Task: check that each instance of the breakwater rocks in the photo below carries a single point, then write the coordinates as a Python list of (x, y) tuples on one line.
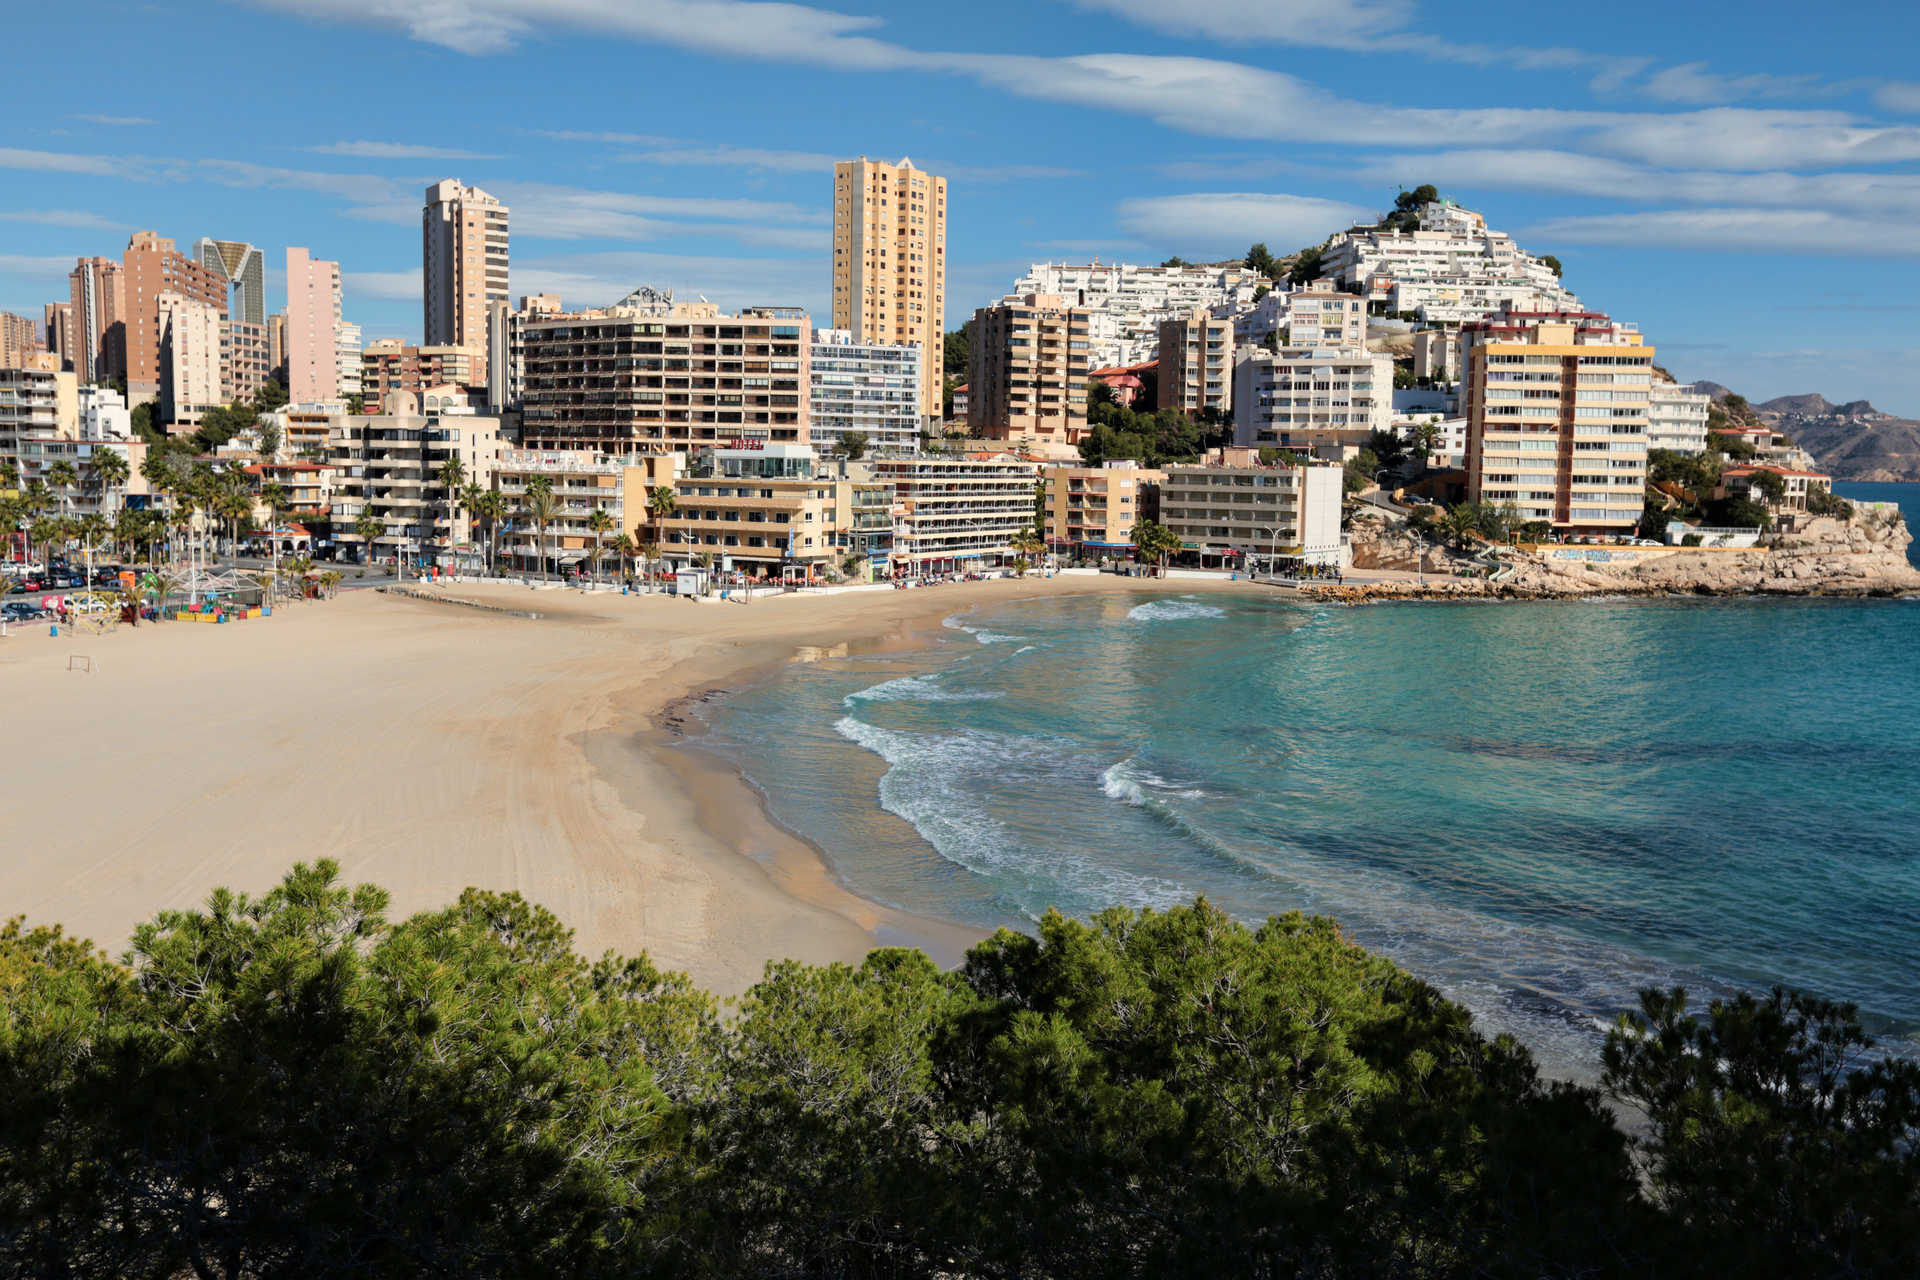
[(1864, 556), (437, 598)]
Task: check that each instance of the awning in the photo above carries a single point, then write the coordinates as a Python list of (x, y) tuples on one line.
[(1110, 546)]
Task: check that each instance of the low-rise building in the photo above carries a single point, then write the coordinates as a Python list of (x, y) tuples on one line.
[(952, 514), (1246, 515), (762, 511), (390, 464), (103, 414), (1795, 486), (581, 484), (962, 397), (864, 387), (35, 455), (309, 488), (1676, 417), (37, 398), (1434, 352), (1196, 363), (388, 365), (1311, 398), (1128, 382), (1091, 511)]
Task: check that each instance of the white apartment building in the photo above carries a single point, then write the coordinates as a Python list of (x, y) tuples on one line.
[(1449, 270), (103, 414), (1128, 302), (1677, 417), (191, 334), (956, 513), (1318, 315), (389, 463), (506, 347), (34, 455), (347, 347), (1245, 514), (1556, 406), (867, 387), (37, 399), (1311, 398), (1449, 449)]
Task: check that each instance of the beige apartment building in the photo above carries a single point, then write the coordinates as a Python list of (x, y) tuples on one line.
[(389, 463), (1557, 414), (1248, 515), (1196, 362), (507, 348), (762, 511), (246, 363), (388, 365), (313, 321), (890, 261), (954, 514), (463, 247), (20, 336), (1091, 511), (1027, 373), (582, 484), (37, 398), (190, 349), (651, 375), (309, 487), (59, 324), (99, 320), (1324, 399), (150, 269), (1320, 315), (1433, 354)]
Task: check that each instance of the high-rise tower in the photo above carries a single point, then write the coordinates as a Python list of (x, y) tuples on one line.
[(244, 268), (890, 261), (463, 245)]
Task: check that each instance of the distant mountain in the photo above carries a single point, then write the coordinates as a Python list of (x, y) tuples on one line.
[(1852, 441), (1713, 389)]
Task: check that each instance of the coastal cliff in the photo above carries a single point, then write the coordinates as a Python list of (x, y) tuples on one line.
[(1862, 556)]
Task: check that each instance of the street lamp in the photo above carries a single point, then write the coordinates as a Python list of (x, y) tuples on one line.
[(1273, 548)]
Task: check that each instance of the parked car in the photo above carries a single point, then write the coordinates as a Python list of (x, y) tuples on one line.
[(19, 611), (30, 583)]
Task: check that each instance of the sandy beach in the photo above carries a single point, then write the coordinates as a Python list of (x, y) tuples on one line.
[(427, 747)]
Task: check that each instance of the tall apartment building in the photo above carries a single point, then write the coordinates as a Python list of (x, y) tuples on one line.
[(890, 261), (1311, 398), (388, 365), (1128, 301), (463, 248), (1091, 511), (1247, 514), (871, 388), (651, 375), (506, 347), (389, 463), (245, 362), (19, 337), (190, 350), (1556, 406), (1676, 417), (313, 319), (952, 514), (1196, 362), (277, 345), (98, 320), (244, 269), (1027, 372), (150, 269), (1450, 269), (346, 354), (59, 331)]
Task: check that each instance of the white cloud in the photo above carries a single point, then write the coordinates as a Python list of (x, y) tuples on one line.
[(599, 135), (397, 151), (1223, 225), (1691, 82), (1902, 97), (20, 264), (64, 162), (79, 218), (1799, 231), (1601, 177), (729, 157), (551, 211), (388, 286), (116, 121)]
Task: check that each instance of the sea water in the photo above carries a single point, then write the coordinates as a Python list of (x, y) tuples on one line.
[(1540, 807)]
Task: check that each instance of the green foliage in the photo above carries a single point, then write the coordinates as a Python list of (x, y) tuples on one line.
[(1176, 262), (1770, 483), (1654, 519), (1554, 263), (1737, 512), (1260, 261), (140, 418), (956, 348), (1152, 439), (1822, 502), (1778, 1143), (1306, 265), (1154, 541), (1403, 379), (1360, 470), (271, 395), (1272, 457), (1691, 539), (853, 444)]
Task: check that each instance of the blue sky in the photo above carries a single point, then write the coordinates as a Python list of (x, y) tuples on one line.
[(1742, 180)]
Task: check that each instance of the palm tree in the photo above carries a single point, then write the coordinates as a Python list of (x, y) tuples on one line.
[(157, 585), (648, 550), (110, 471), (44, 530), (540, 506), (330, 582), (1461, 521), (661, 503), (370, 526), (273, 496), (491, 506), (624, 549), (1426, 439), (472, 497), (1029, 545), (1155, 541), (92, 529), (598, 522), (233, 502), (63, 477), (453, 475)]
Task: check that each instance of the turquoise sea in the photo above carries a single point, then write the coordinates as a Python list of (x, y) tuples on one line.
[(1538, 807)]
